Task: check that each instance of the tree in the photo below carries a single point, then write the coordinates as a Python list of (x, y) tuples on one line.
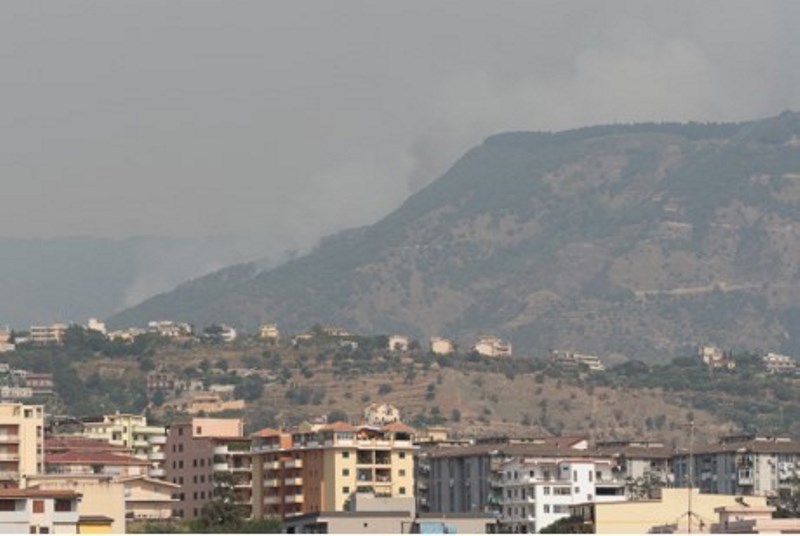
[(788, 500), (222, 513), (567, 525)]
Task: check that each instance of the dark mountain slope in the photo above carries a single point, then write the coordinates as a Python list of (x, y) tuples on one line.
[(622, 240)]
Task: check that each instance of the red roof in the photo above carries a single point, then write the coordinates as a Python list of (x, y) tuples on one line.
[(338, 426), (399, 427), (105, 458), (17, 493)]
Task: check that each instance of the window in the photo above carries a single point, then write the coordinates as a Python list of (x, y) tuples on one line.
[(63, 505), (7, 506), (577, 489), (38, 507), (546, 508), (180, 464), (32, 529), (44, 530), (346, 490), (345, 472), (591, 475), (402, 491), (194, 479), (575, 476), (531, 474), (547, 490), (194, 462), (401, 472), (402, 455), (198, 430), (202, 462), (180, 432), (202, 495), (180, 447), (345, 454)]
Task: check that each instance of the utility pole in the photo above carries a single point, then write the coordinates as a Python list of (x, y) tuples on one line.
[(691, 472)]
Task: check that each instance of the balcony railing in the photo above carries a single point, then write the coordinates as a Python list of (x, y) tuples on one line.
[(293, 464), (157, 473), (9, 438), (293, 481), (158, 440), (220, 450)]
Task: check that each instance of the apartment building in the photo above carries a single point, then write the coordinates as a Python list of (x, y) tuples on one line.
[(33, 511), (101, 495), (44, 335), (145, 441), (472, 478), (21, 441), (190, 452), (534, 492), (778, 363), (565, 358), (741, 465), (324, 468)]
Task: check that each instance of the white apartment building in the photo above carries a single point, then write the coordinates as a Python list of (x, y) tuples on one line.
[(535, 492), (778, 363), (132, 431), (96, 325), (270, 332)]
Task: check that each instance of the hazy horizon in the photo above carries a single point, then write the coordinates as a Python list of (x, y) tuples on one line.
[(295, 120)]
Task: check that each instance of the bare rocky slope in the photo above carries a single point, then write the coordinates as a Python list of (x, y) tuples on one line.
[(629, 241)]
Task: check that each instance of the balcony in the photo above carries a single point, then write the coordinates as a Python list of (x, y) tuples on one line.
[(8, 475), (298, 498), (158, 440), (157, 456), (293, 481), (272, 499), (141, 444), (157, 473), (244, 484), (221, 450), (241, 468), (9, 438), (272, 465), (293, 464), (272, 483), (221, 467), (9, 456), (64, 517), (16, 517)]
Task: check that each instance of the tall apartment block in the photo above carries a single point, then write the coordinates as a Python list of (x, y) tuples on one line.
[(324, 469), (195, 451), (21, 441), (145, 441), (741, 465)]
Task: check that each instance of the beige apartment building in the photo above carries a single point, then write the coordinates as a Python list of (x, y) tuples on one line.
[(198, 448), (145, 441), (44, 335), (323, 468), (21, 441)]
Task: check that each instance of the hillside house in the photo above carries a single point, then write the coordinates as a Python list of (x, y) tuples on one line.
[(715, 358), (778, 363), (491, 346), (170, 329), (398, 343), (380, 414), (45, 335), (574, 359), (96, 325), (442, 346), (269, 332)]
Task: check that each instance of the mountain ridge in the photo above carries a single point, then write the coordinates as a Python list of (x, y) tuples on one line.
[(557, 240)]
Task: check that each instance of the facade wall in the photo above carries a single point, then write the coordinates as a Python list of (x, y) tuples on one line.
[(459, 484), (100, 496), (189, 463), (640, 516), (21, 440)]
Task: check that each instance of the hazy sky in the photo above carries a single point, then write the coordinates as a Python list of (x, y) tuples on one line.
[(295, 119)]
